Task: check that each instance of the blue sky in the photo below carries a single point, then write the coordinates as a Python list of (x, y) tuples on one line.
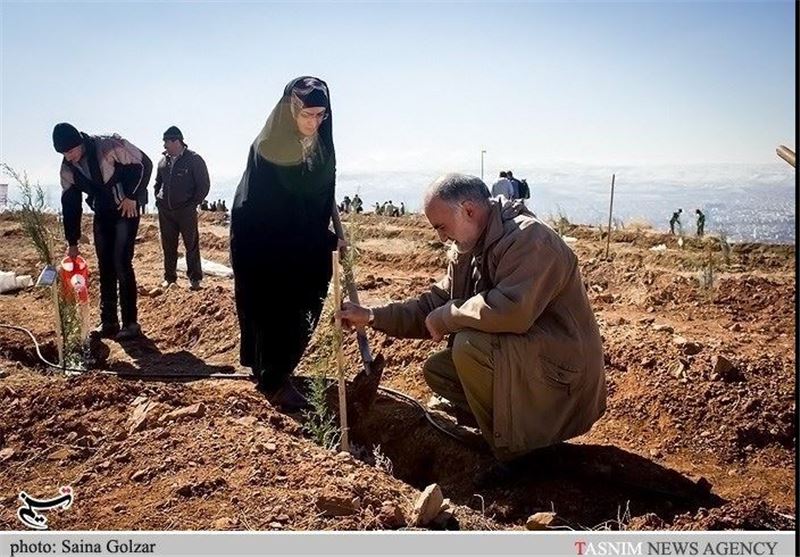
[(415, 86)]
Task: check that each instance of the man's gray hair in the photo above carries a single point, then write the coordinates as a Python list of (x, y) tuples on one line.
[(455, 188)]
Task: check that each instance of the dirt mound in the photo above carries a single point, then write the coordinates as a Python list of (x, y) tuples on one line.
[(700, 430)]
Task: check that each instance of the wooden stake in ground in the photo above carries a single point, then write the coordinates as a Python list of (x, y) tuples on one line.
[(337, 303), (59, 335), (610, 211)]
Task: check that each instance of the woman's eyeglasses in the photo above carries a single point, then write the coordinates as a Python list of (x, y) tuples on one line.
[(312, 116)]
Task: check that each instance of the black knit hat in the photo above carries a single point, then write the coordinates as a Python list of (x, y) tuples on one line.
[(66, 137), (173, 133)]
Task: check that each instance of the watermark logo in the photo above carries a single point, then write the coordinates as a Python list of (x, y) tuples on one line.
[(608, 548), (29, 513)]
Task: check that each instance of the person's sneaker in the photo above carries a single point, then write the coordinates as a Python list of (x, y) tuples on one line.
[(132, 330), (167, 284), (104, 330), (195, 285), (287, 398)]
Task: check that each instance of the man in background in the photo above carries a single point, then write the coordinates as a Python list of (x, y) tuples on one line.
[(503, 187), (182, 184), (676, 219)]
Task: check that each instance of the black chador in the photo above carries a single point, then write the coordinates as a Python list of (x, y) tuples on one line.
[(281, 243)]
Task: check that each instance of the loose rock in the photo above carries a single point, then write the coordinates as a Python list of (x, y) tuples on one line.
[(540, 521), (428, 505)]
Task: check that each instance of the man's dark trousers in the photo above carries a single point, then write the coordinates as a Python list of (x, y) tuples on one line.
[(114, 237), (184, 222)]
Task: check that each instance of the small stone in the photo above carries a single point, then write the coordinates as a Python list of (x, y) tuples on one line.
[(428, 505), (646, 320), (3, 373), (724, 369), (194, 411), (688, 347), (224, 523), (607, 298), (540, 521), (391, 516), (142, 415), (270, 447), (6, 454), (83, 478), (732, 472), (157, 291), (662, 327), (655, 453), (119, 508), (736, 327), (247, 421), (60, 454), (648, 362), (276, 525), (332, 504), (678, 368), (139, 475), (105, 465)]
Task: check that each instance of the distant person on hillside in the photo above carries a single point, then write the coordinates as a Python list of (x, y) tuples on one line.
[(204, 205), (281, 244), (524, 189), (402, 208), (701, 223), (515, 183), (378, 208), (676, 219), (503, 187), (222, 206), (358, 205), (182, 184), (346, 204), (524, 355), (113, 173)]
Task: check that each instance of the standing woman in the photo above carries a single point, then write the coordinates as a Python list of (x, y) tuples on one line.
[(280, 241)]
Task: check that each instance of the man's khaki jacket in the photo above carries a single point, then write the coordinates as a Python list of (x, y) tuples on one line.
[(522, 283)]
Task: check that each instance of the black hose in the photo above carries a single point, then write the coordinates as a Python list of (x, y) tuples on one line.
[(160, 374)]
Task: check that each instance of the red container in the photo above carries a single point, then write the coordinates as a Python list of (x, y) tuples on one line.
[(74, 274)]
